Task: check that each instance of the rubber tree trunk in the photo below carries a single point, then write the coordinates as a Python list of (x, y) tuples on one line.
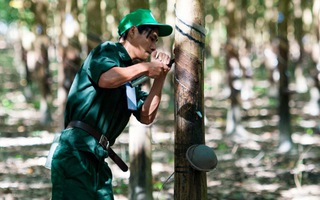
[(189, 108), (300, 79), (41, 45), (315, 71), (284, 94), (140, 187), (94, 26), (140, 182), (69, 49), (233, 67)]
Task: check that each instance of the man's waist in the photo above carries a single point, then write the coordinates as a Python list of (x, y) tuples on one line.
[(101, 139)]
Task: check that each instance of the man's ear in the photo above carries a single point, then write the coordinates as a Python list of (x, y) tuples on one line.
[(132, 31)]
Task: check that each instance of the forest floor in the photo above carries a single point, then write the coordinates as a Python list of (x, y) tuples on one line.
[(249, 168)]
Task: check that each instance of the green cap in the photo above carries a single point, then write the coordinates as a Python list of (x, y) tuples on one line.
[(142, 17)]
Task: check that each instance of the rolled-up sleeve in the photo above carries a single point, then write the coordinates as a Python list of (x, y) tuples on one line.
[(103, 58)]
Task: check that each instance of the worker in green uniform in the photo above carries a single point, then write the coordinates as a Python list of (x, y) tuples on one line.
[(100, 103)]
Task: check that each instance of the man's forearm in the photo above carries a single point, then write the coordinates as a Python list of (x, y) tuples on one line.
[(117, 76), (151, 104)]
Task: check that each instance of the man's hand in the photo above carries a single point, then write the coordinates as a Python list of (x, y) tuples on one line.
[(158, 65), (161, 57)]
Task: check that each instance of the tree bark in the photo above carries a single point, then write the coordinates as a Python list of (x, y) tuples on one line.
[(234, 71), (284, 94), (140, 182), (42, 70), (69, 47), (189, 107), (94, 23)]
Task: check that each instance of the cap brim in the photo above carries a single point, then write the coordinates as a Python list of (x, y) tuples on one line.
[(163, 29)]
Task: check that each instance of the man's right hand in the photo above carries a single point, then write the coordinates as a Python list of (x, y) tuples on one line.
[(158, 65)]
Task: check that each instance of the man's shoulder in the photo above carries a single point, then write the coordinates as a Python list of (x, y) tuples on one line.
[(103, 48), (109, 44)]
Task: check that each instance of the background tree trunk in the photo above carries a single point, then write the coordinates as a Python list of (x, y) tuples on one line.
[(42, 70), (69, 50), (301, 81), (140, 183), (94, 24), (284, 93), (189, 108), (234, 70)]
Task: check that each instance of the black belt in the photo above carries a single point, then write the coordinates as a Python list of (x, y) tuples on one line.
[(103, 141)]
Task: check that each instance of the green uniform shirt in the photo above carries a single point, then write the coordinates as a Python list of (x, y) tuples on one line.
[(105, 110)]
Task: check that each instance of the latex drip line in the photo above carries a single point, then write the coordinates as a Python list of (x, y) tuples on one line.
[(198, 28), (185, 87), (190, 37)]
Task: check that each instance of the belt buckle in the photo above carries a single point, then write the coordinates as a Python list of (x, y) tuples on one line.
[(104, 142)]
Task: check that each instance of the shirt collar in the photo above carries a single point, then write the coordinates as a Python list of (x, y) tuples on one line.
[(123, 54)]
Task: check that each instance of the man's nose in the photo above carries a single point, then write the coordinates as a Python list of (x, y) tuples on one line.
[(153, 46)]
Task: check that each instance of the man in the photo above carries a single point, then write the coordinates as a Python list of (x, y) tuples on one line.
[(101, 101)]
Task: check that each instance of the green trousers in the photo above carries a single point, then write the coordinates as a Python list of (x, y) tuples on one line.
[(79, 175)]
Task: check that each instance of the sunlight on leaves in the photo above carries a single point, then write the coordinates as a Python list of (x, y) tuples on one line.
[(7, 103), (309, 131)]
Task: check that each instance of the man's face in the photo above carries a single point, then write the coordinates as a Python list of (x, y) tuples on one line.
[(145, 43)]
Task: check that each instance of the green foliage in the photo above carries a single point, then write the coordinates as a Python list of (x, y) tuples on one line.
[(121, 187), (273, 102), (157, 186), (10, 14), (207, 87), (309, 131), (260, 72), (36, 133), (6, 57), (259, 89), (19, 156), (36, 104), (222, 146), (6, 103)]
